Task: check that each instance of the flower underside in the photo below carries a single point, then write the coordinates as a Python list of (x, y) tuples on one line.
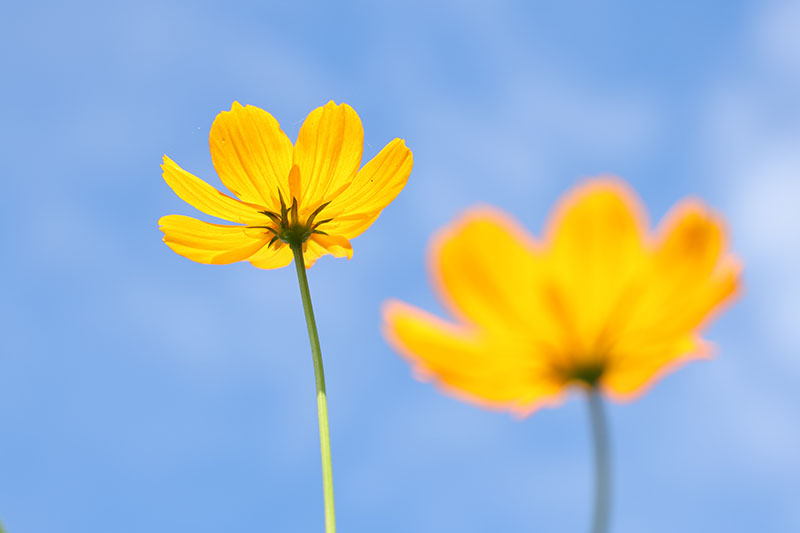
[(325, 197), (288, 227), (588, 374), (598, 301)]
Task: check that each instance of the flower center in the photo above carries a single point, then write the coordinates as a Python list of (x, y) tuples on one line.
[(288, 226), (587, 373)]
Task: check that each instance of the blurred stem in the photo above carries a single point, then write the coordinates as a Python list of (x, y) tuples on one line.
[(602, 475), (322, 401)]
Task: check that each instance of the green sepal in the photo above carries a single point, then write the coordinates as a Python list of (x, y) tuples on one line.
[(316, 212)]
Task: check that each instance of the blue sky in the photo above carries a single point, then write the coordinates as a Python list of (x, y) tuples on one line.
[(143, 391)]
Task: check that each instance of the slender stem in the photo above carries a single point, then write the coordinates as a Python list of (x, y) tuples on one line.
[(602, 477), (322, 402)]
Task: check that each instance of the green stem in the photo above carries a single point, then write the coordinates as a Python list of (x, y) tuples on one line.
[(322, 402), (602, 477)]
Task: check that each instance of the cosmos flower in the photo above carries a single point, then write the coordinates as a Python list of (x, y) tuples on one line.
[(311, 192), (598, 302)]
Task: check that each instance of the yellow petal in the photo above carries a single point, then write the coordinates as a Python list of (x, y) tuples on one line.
[(688, 278), (206, 198), (478, 369), (693, 273), (251, 154), (631, 374), (210, 243), (374, 187), (484, 266), (598, 300), (335, 245), (328, 151), (318, 245), (597, 247), (276, 256), (691, 242), (492, 274), (349, 226), (311, 252)]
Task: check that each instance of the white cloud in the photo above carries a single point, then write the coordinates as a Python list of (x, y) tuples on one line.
[(753, 143), (777, 38)]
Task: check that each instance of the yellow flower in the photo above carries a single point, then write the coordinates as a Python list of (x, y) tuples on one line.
[(598, 303), (311, 192)]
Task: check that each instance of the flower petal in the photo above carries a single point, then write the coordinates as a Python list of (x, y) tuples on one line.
[(335, 245), (374, 187), (630, 375), (295, 184), (204, 197), (597, 247), (483, 266), (349, 226), (688, 278), (209, 243), (490, 273), (691, 243), (251, 154), (694, 274), (270, 257), (318, 245), (312, 252), (328, 151), (478, 369)]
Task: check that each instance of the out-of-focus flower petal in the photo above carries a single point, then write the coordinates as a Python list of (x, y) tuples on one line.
[(598, 303), (479, 368), (595, 244)]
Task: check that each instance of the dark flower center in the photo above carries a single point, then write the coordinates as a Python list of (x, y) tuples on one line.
[(586, 373), (288, 226)]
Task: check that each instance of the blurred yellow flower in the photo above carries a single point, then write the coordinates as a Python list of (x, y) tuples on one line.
[(598, 302), (311, 192)]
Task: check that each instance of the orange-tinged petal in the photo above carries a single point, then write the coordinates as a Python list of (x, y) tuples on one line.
[(206, 198), (328, 151), (688, 276), (691, 244), (374, 187), (596, 240), (215, 244), (295, 184), (479, 369), (251, 154)]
